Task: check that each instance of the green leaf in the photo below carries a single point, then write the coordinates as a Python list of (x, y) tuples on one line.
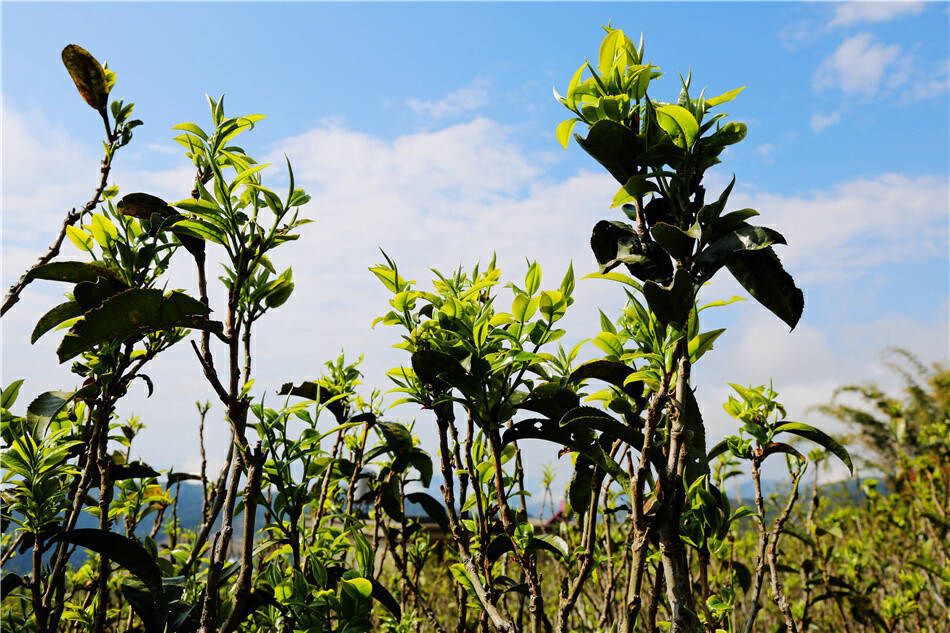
[(358, 587), (54, 317), (729, 134), (671, 304), (47, 406), (717, 450), (133, 313), (697, 462), (674, 240), (461, 577), (616, 243), (743, 239), (703, 343), (818, 437), (103, 231), (532, 280), (550, 542), (679, 123), (609, 343), (88, 75), (563, 131), (719, 304), (635, 188), (573, 86), (614, 146), (724, 97), (202, 229), (124, 551), (279, 293), (73, 272), (761, 273), (624, 279), (9, 395), (200, 207), (522, 308), (191, 127), (612, 372), (80, 238), (433, 508), (392, 280)]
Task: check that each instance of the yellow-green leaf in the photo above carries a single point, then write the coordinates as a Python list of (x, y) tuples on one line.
[(724, 97), (80, 238), (678, 121), (563, 131)]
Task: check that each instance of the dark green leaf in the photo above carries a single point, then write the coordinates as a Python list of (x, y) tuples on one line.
[(551, 400), (773, 448), (124, 551), (143, 206), (91, 294), (711, 212), (745, 238), (671, 304), (674, 240), (499, 546), (616, 243), (576, 437), (433, 508), (47, 406), (73, 272), (54, 317), (145, 603), (612, 372), (550, 542), (761, 273), (133, 470), (818, 437), (614, 146), (131, 314), (10, 582), (88, 75), (697, 462), (383, 597)]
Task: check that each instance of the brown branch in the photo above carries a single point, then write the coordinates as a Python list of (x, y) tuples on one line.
[(445, 420), (421, 600), (13, 294), (242, 593)]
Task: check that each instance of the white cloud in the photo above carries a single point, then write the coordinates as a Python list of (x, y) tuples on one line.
[(46, 172), (929, 85), (849, 13), (859, 66), (765, 151), (807, 365), (856, 226), (820, 120), (465, 99), (453, 196)]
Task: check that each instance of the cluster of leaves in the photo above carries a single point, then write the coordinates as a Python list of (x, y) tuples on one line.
[(321, 517)]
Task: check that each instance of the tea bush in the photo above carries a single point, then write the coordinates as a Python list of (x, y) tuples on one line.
[(324, 516)]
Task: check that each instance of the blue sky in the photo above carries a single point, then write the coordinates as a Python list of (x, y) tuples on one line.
[(407, 120)]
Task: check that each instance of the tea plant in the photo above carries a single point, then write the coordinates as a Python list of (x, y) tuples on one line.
[(322, 516)]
